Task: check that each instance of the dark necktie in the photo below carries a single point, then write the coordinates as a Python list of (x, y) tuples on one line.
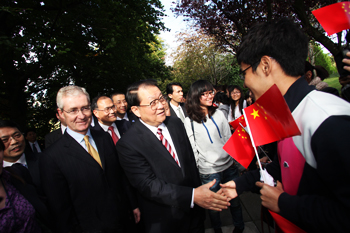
[(34, 148), (114, 135), (167, 145)]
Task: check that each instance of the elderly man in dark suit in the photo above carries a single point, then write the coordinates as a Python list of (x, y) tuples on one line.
[(80, 172), (166, 178)]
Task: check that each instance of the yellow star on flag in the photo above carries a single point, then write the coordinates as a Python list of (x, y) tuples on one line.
[(255, 113)]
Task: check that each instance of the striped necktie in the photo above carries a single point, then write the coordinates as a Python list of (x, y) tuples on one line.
[(167, 145)]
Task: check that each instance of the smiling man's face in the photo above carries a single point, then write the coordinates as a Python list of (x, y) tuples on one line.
[(14, 143)]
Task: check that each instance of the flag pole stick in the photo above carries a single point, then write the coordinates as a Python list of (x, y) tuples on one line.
[(253, 144)]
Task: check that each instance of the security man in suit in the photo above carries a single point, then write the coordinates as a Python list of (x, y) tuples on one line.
[(175, 94), (158, 160), (80, 172)]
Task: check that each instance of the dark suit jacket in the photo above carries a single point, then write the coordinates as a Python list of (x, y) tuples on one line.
[(172, 112), (81, 195), (52, 137), (29, 148), (164, 189), (28, 190), (132, 117)]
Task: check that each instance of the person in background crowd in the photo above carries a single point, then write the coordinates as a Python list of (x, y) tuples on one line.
[(121, 105), (175, 94), (208, 131), (32, 143), (21, 210), (237, 102), (316, 80), (223, 103), (15, 151), (249, 98)]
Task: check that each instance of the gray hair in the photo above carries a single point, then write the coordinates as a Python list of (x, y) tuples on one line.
[(70, 91)]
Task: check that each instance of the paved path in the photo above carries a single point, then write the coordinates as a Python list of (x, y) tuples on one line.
[(251, 206)]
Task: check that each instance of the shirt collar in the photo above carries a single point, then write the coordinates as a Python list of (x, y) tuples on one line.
[(174, 107), (296, 92), (21, 160), (105, 127), (153, 128), (77, 136)]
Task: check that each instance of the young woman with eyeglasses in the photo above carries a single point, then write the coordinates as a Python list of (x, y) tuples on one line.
[(237, 102), (208, 131)]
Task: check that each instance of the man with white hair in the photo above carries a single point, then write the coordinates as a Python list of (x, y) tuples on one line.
[(80, 171)]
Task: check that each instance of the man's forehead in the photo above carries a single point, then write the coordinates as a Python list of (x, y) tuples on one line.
[(7, 131), (75, 101), (104, 102), (149, 93), (119, 97)]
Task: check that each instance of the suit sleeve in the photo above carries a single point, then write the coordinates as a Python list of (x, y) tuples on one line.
[(142, 177), (56, 190)]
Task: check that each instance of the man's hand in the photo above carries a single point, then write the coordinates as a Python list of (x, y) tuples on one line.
[(208, 199), (137, 215), (229, 190), (270, 195)]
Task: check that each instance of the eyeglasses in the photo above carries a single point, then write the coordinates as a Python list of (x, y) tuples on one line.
[(206, 94), (242, 73), (108, 109), (15, 136), (236, 93), (75, 111), (154, 103)]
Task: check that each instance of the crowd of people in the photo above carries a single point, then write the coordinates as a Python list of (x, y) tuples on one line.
[(142, 161)]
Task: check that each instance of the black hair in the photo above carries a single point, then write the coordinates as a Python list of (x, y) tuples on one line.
[(116, 93), (193, 108), (240, 101), (132, 96), (221, 97), (321, 72), (29, 130), (10, 124), (282, 40), (169, 87), (309, 67), (94, 101)]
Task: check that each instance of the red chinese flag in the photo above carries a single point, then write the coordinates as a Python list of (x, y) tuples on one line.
[(236, 122), (239, 146), (334, 18), (284, 225), (270, 119)]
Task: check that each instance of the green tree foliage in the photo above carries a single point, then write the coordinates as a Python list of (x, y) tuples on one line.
[(230, 20), (323, 59), (102, 45), (198, 57)]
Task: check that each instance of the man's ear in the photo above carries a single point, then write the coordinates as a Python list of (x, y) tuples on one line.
[(136, 111), (95, 112), (60, 113), (308, 76), (266, 65), (170, 96)]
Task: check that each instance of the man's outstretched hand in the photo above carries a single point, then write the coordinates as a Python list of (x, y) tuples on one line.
[(269, 195), (229, 190), (207, 199)]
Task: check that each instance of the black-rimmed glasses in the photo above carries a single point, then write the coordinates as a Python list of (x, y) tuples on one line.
[(154, 103)]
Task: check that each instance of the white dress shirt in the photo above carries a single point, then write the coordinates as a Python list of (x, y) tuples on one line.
[(105, 128), (36, 145), (21, 160), (178, 110)]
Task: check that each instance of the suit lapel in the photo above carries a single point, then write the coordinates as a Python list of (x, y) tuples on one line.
[(76, 150), (153, 143)]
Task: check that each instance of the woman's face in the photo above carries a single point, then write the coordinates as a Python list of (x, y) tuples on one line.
[(206, 99), (236, 94)]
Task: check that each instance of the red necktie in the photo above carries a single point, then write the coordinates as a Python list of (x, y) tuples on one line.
[(167, 145), (114, 135)]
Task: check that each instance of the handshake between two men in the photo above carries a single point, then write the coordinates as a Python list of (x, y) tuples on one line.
[(220, 200)]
